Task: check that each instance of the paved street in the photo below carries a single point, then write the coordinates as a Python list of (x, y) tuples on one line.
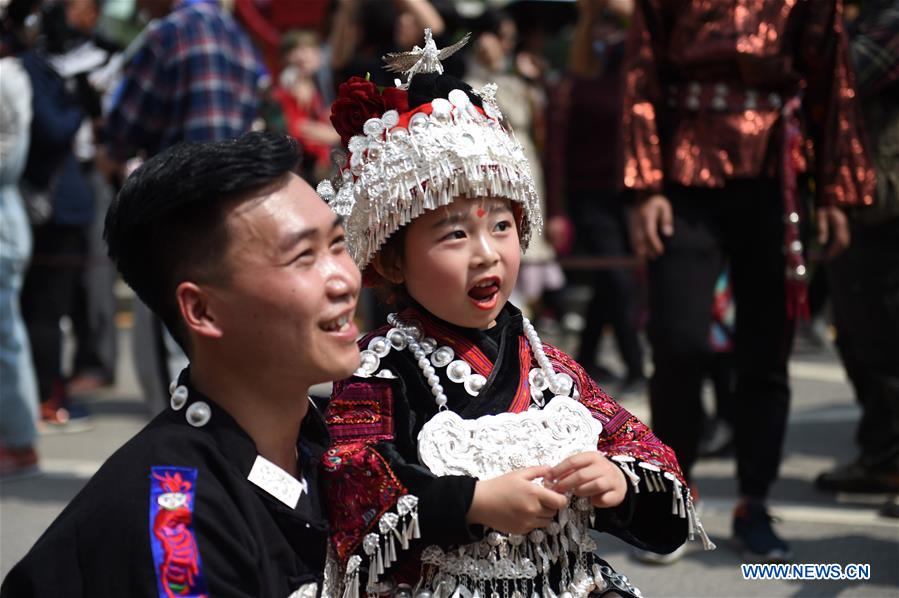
[(823, 529)]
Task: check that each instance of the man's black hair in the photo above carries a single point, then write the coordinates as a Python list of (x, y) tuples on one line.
[(167, 223)]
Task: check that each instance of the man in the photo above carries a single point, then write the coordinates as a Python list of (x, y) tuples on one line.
[(865, 279), (219, 494), (712, 146), (195, 78)]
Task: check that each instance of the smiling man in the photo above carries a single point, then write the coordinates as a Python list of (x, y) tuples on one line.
[(218, 495)]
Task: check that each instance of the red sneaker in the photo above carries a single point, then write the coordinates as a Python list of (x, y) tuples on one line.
[(19, 463), (59, 416)]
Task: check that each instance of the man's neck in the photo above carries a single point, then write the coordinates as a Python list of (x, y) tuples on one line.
[(269, 412)]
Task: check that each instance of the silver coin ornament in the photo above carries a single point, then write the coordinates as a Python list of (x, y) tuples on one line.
[(179, 397), (198, 414), (537, 379), (458, 370), (428, 345), (380, 346), (563, 384), (397, 338), (474, 383), (368, 362), (442, 357)]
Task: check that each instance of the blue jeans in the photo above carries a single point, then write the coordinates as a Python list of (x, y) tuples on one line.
[(18, 385)]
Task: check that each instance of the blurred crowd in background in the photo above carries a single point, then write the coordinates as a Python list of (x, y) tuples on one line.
[(88, 93)]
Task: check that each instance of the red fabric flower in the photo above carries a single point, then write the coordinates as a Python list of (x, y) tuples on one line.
[(357, 101), (395, 99)]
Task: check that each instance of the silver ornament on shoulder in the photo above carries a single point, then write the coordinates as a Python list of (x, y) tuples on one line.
[(198, 414), (179, 397)]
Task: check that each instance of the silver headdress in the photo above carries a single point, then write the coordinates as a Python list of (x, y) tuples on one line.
[(404, 165)]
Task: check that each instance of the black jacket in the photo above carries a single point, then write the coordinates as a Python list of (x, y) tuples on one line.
[(250, 543)]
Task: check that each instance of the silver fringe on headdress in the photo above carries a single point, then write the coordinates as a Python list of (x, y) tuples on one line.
[(396, 173)]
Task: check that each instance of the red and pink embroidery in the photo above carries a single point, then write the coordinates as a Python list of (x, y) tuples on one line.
[(175, 553)]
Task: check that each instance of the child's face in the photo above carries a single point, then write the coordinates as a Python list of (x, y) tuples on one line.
[(460, 262), (306, 58)]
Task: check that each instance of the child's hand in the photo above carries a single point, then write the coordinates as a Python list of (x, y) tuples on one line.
[(591, 474), (513, 503)]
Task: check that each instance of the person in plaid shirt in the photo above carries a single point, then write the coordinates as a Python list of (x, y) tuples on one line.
[(196, 77)]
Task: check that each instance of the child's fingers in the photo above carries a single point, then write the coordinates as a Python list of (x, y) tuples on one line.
[(578, 477), (537, 471), (552, 500), (574, 462)]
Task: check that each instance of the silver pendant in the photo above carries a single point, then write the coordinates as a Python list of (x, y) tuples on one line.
[(198, 414)]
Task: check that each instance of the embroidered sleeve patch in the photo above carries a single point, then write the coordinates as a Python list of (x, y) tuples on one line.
[(361, 411), (176, 556)]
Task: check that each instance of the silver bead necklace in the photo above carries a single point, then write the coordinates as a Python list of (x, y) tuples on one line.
[(558, 384)]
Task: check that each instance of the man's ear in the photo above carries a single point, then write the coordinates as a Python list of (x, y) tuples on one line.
[(197, 311), (389, 267)]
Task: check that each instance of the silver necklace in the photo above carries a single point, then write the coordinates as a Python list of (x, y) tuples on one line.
[(404, 335)]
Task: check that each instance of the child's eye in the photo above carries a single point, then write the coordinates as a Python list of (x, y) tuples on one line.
[(456, 234), (503, 226)]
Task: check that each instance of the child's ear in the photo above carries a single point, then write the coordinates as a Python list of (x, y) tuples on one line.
[(387, 265)]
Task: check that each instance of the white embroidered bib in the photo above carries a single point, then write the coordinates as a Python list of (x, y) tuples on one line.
[(493, 445)]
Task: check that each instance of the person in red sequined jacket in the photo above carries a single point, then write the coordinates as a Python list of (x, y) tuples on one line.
[(725, 104)]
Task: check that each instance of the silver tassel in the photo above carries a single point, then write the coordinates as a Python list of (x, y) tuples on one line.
[(351, 579), (695, 526), (624, 462)]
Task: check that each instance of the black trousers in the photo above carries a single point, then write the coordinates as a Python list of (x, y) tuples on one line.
[(740, 224), (49, 293), (602, 231), (865, 292)]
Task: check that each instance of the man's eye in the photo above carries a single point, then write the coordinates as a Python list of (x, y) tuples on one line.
[(339, 241), (305, 257)]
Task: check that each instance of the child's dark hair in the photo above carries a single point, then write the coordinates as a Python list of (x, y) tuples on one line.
[(391, 252), (167, 223)]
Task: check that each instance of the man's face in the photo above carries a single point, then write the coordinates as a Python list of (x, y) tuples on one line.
[(290, 293)]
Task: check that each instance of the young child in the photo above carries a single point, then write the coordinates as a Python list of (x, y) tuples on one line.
[(468, 458)]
